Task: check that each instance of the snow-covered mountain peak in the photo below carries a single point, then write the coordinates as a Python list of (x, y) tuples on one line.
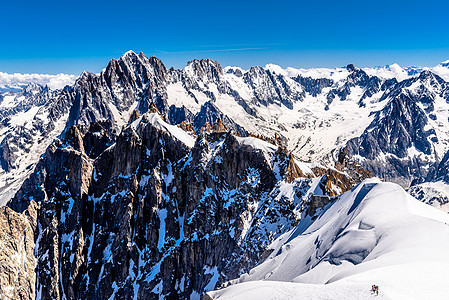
[(132, 58), (130, 54), (237, 71), (395, 67), (444, 63), (85, 75), (32, 89), (440, 70), (428, 74)]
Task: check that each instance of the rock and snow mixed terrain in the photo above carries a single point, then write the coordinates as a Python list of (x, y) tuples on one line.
[(393, 120), (373, 234), (154, 211), (144, 182)]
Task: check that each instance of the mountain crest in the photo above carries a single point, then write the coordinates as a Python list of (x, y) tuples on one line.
[(207, 69)]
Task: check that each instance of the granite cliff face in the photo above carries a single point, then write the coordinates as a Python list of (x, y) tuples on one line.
[(17, 261)]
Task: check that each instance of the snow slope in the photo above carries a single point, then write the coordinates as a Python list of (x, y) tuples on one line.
[(156, 120), (373, 234)]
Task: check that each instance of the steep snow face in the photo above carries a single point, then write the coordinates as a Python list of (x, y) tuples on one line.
[(257, 144), (176, 132), (373, 234)]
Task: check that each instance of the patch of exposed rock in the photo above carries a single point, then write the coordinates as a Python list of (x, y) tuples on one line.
[(17, 262)]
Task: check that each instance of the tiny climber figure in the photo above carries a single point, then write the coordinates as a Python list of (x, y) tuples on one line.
[(375, 289)]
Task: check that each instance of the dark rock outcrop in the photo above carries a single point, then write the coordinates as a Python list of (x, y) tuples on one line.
[(17, 263), (399, 130)]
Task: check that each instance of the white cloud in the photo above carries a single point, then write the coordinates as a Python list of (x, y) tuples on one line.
[(53, 81), (441, 71), (276, 69), (390, 71)]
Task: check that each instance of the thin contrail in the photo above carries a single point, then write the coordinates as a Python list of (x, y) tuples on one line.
[(212, 50)]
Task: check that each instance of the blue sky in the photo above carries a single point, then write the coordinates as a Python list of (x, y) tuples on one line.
[(72, 36)]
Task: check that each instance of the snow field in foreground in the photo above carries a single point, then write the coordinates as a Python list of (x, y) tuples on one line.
[(373, 234)]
